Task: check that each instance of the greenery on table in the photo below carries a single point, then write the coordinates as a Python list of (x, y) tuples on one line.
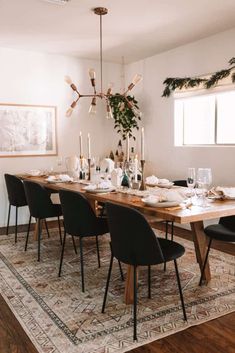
[(125, 119), (171, 84)]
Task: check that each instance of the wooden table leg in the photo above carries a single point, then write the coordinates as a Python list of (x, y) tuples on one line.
[(36, 229), (129, 285), (200, 243)]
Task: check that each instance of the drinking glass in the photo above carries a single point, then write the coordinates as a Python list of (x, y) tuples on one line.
[(204, 180), (191, 181)]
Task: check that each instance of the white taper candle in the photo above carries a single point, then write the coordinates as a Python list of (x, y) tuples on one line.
[(142, 144), (80, 144)]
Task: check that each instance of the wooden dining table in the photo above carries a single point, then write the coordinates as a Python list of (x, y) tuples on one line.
[(194, 215)]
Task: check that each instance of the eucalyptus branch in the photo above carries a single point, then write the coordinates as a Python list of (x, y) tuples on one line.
[(171, 84)]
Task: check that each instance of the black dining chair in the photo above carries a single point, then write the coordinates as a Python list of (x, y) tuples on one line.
[(223, 231), (16, 197), (134, 243), (80, 221), (41, 208)]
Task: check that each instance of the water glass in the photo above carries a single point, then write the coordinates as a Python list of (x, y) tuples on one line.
[(204, 180)]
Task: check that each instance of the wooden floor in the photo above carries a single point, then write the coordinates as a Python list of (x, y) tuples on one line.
[(216, 336)]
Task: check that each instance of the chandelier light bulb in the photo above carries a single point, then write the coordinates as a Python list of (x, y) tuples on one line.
[(69, 112), (68, 80), (92, 74), (136, 79)]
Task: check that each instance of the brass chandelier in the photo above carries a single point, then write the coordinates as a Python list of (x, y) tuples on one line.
[(100, 11)]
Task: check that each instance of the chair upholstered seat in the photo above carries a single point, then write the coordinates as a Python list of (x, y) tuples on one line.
[(220, 232), (174, 251), (223, 231)]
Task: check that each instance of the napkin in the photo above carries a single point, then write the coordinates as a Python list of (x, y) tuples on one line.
[(64, 177), (90, 187), (174, 196), (106, 184), (152, 180), (155, 199), (163, 181), (227, 192)]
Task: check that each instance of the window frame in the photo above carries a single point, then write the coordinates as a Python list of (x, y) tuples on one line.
[(183, 96)]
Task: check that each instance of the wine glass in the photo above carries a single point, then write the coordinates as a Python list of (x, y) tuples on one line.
[(204, 179), (191, 180)]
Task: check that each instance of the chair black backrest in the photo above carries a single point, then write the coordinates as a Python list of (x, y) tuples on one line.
[(79, 217), (40, 204), (133, 240), (180, 182), (15, 191), (228, 222)]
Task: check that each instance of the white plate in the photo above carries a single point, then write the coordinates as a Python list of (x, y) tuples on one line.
[(161, 204), (99, 191), (167, 186)]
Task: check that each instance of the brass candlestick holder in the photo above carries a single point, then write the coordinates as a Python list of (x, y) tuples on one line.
[(89, 169), (142, 185)]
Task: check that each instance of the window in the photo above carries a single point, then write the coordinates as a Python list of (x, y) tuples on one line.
[(205, 119)]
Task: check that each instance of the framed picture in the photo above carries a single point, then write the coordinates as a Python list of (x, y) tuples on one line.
[(27, 130)]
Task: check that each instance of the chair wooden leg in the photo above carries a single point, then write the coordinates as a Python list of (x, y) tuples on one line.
[(82, 265), (59, 230), (16, 224), (8, 218), (180, 290), (135, 305), (48, 234), (204, 264), (107, 283), (27, 236), (62, 254), (149, 282), (98, 250), (39, 238)]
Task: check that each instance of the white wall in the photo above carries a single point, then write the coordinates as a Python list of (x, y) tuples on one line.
[(163, 159), (36, 78)]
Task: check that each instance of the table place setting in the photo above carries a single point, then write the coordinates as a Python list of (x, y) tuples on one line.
[(153, 181), (60, 178), (222, 193), (101, 187)]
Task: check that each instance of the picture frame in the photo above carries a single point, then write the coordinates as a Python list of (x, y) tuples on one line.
[(27, 130)]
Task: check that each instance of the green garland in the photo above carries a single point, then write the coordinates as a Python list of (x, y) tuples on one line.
[(171, 84), (125, 119)]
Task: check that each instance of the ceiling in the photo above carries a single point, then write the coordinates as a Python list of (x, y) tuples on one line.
[(133, 29)]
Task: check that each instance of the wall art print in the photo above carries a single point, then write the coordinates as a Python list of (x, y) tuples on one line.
[(27, 130)]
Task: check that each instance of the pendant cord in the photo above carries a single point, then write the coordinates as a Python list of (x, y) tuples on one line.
[(101, 56)]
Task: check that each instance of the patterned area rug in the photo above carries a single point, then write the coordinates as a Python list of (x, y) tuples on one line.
[(59, 318)]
